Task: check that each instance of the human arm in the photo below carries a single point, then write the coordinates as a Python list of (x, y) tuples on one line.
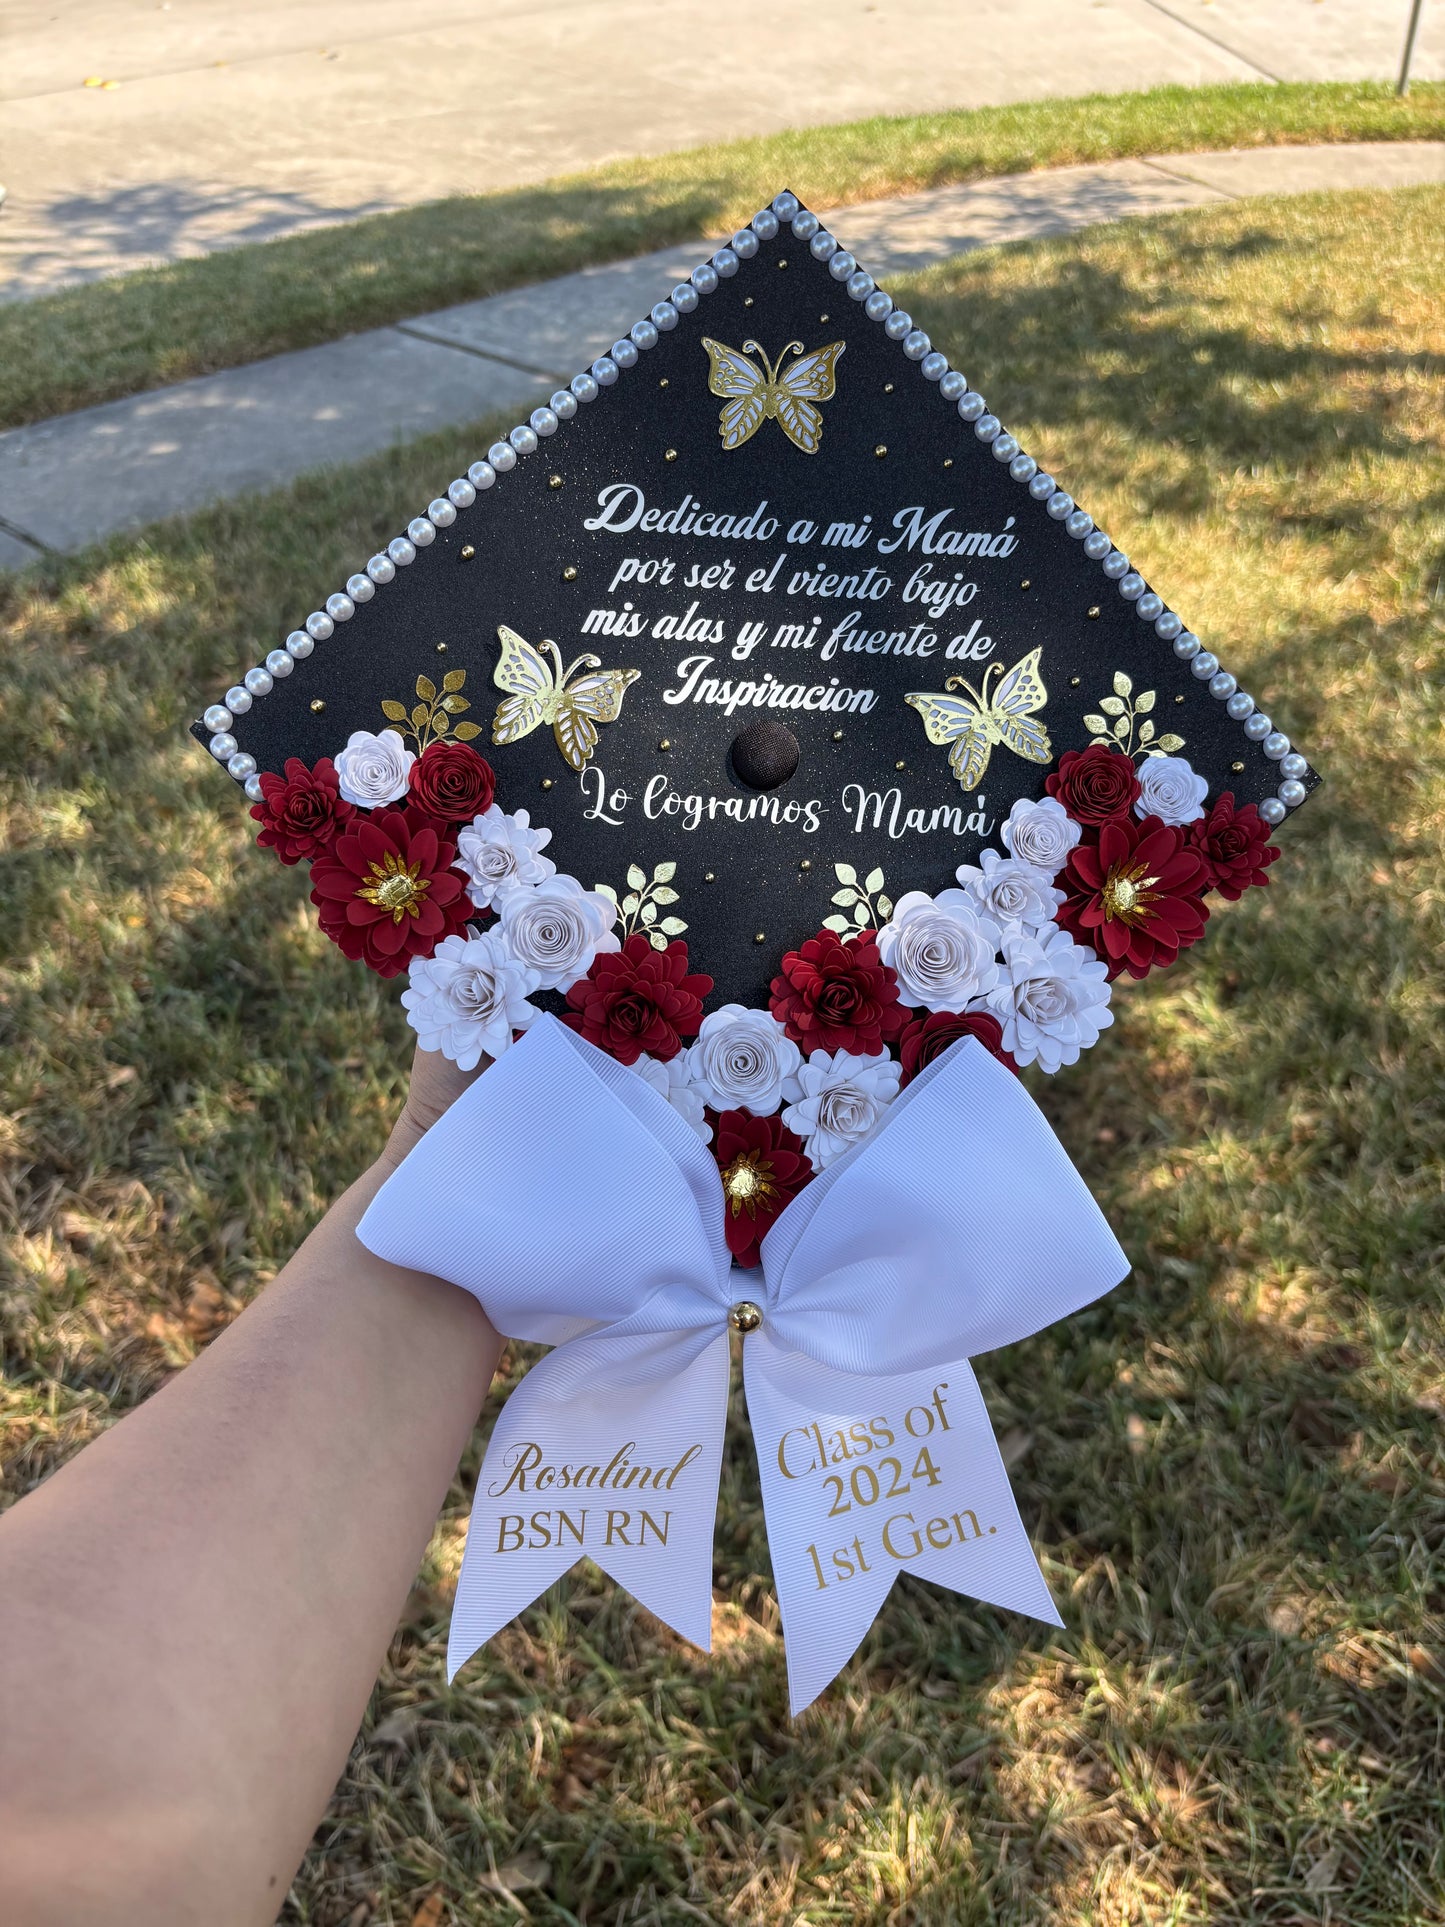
[(194, 1610)]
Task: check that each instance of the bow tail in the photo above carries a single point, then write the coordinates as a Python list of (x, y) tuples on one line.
[(865, 1477), (609, 1449)]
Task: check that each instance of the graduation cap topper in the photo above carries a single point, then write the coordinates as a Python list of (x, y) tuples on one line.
[(760, 708), (764, 624)]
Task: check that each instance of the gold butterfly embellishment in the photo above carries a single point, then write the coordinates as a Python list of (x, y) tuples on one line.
[(538, 692), (974, 723), (753, 395)]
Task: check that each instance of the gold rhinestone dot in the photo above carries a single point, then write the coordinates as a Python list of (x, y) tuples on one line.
[(467, 552), (782, 264), (806, 864), (888, 387), (663, 382), (760, 936), (881, 450), (546, 782), (900, 766), (670, 455), (317, 706), (1026, 584), (709, 876), (1178, 699), (441, 648), (1094, 613), (569, 574), (837, 735), (747, 300), (554, 481), (1073, 682), (822, 317), (745, 1316), (948, 461), (666, 743), (1237, 768)]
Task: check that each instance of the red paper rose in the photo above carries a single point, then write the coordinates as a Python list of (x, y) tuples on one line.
[(1133, 893), (834, 995), (763, 1169), (638, 999), (387, 892), (930, 1035), (1234, 846), (451, 782), (301, 812), (1095, 785)]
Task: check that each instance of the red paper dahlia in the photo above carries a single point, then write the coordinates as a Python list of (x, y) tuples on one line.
[(834, 995), (763, 1169), (1133, 893), (930, 1035), (1234, 846), (638, 999), (301, 812), (1095, 785), (387, 892), (451, 782)]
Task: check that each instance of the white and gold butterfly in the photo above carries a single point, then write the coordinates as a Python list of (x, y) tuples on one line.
[(537, 692), (754, 395), (975, 722)]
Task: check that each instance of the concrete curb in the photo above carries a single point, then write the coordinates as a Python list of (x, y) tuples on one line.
[(75, 479)]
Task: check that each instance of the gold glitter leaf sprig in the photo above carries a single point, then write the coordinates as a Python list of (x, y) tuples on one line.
[(431, 717), (870, 908), (638, 909), (1121, 726)]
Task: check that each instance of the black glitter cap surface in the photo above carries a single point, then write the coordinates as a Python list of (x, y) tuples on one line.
[(783, 594)]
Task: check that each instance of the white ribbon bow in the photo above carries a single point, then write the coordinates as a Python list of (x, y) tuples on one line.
[(582, 1212)]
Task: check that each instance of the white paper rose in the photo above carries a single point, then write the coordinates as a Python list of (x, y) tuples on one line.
[(1006, 891), (942, 949), (556, 928), (1041, 833), (672, 1081), (744, 1060), (1053, 1000), (1169, 789), (467, 998), (497, 852), (842, 1096), (373, 770)]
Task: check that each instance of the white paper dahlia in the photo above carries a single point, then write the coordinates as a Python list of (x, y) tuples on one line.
[(842, 1096), (1006, 890), (1041, 833), (1053, 1000), (497, 852), (468, 997), (672, 1081)]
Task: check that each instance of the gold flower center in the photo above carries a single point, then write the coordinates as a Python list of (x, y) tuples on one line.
[(748, 1181), (395, 886), (1127, 895)]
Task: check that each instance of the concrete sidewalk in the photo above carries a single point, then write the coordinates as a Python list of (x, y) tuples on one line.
[(214, 123), (73, 480)]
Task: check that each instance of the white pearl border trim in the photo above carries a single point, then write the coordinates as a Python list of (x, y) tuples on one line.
[(624, 354)]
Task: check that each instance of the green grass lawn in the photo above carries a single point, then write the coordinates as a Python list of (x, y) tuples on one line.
[(1232, 1465), (91, 344)]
